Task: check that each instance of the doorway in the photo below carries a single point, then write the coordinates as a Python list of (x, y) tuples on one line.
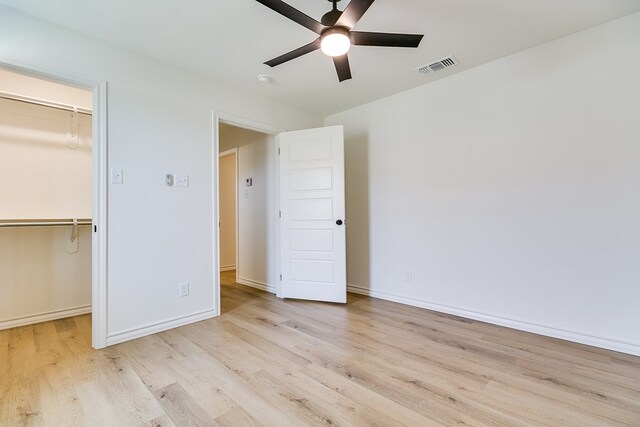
[(247, 224), (291, 226), (45, 200), (53, 199)]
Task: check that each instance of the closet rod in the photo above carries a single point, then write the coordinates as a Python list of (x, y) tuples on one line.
[(53, 104), (42, 222)]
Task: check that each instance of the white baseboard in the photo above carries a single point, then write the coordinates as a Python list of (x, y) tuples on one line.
[(227, 267), (578, 337), (256, 284), (44, 317), (143, 331)]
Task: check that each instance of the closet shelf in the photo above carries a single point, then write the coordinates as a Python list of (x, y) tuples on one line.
[(43, 222), (43, 102)]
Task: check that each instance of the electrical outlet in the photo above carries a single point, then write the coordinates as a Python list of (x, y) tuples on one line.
[(408, 276), (116, 176), (184, 289)]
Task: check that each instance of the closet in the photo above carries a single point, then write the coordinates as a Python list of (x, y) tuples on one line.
[(45, 200)]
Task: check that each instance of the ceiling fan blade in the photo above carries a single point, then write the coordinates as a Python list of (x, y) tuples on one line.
[(294, 14), (353, 12), (361, 38), (342, 67), (314, 45)]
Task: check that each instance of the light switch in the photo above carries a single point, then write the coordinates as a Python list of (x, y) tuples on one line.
[(182, 180), (246, 194), (116, 176)]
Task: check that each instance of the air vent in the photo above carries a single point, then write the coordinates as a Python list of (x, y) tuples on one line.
[(441, 64)]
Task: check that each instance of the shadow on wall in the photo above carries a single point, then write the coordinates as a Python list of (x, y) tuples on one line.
[(357, 204)]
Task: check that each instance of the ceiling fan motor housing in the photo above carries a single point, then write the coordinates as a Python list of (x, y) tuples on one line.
[(330, 18), (337, 30)]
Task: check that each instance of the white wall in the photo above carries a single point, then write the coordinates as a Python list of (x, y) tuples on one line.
[(227, 196), (159, 121), (256, 206), (511, 190), (42, 178), (39, 280)]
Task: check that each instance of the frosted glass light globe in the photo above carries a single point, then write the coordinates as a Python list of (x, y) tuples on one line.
[(335, 44)]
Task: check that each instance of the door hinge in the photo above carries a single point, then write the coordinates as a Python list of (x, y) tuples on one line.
[(278, 150), (281, 277), (279, 214)]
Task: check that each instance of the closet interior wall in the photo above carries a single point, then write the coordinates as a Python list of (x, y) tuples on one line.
[(45, 174)]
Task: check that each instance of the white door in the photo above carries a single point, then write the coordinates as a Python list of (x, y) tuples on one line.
[(312, 228)]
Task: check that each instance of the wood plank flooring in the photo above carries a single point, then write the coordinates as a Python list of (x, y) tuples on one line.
[(270, 362)]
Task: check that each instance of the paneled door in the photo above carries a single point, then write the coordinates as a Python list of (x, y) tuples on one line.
[(312, 227)]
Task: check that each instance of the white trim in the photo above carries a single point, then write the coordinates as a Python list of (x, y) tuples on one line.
[(278, 207), (99, 184), (228, 152), (255, 284), (245, 123), (215, 203), (228, 267), (44, 317), (100, 220), (152, 328), (578, 337)]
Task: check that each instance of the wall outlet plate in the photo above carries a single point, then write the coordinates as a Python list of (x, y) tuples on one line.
[(169, 180), (116, 176), (184, 289), (182, 180)]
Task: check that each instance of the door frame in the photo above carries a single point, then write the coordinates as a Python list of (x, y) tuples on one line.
[(99, 185), (229, 152), (257, 126)]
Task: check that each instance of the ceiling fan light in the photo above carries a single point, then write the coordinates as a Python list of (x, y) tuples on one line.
[(335, 43)]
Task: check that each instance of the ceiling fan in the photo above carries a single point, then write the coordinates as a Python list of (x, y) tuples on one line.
[(336, 33)]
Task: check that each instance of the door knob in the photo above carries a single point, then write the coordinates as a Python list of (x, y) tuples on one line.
[(339, 222)]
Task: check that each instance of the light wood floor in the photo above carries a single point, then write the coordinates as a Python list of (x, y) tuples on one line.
[(292, 363)]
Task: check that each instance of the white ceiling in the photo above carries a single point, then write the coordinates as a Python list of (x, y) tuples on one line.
[(228, 40)]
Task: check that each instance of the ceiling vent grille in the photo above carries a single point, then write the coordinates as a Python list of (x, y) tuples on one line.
[(441, 64)]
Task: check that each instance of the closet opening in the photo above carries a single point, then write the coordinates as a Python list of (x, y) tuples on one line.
[(247, 213), (47, 204)]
